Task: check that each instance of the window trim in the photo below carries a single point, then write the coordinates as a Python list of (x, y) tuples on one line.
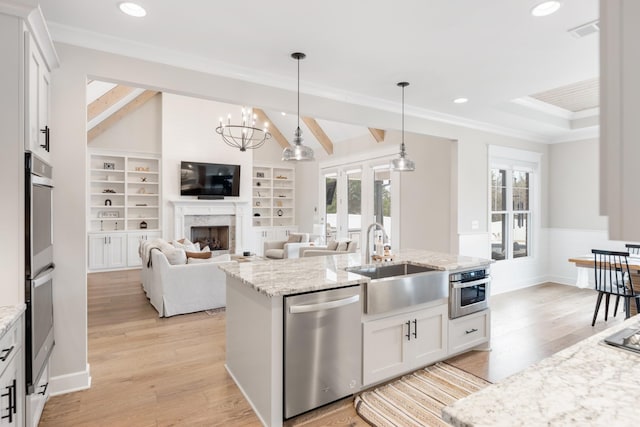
[(511, 159)]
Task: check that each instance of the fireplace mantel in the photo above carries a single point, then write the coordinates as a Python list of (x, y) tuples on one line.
[(239, 209)]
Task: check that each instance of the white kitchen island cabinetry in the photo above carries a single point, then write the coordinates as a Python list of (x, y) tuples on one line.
[(12, 374), (403, 342)]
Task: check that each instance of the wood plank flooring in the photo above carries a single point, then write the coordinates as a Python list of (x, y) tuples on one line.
[(151, 371)]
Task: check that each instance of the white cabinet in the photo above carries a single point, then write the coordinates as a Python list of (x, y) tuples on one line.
[(12, 378), (35, 401), (133, 242), (469, 331), (404, 342), (38, 90), (273, 200), (619, 111), (265, 234), (107, 250)]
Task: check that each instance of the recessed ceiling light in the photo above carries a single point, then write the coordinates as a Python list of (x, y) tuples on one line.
[(546, 8), (461, 100), (132, 9)]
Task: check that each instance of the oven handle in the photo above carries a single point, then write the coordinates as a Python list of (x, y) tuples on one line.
[(43, 278), (40, 180), (460, 285)]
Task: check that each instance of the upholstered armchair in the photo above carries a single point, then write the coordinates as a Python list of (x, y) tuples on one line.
[(280, 249), (332, 248)]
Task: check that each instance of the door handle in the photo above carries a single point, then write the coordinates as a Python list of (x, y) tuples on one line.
[(408, 323), (46, 132), (415, 328)]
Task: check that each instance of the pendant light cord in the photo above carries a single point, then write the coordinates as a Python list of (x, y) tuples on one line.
[(298, 93), (403, 118)]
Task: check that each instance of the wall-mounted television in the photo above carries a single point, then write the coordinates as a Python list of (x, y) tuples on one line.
[(209, 180)]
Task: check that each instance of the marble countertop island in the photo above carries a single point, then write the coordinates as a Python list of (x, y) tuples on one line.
[(587, 384), (8, 315), (292, 276)]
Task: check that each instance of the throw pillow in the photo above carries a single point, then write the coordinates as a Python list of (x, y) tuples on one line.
[(294, 238), (201, 255), (187, 245), (342, 246), (352, 246), (332, 245), (175, 256)]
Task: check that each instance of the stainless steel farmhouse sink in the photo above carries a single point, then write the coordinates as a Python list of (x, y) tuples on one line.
[(397, 286)]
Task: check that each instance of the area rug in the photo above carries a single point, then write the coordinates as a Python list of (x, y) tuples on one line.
[(417, 399)]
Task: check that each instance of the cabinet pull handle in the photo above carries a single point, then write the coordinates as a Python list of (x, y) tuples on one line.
[(15, 396), (415, 328), (408, 323), (109, 239), (7, 352), (470, 331), (11, 394), (44, 389), (46, 132)]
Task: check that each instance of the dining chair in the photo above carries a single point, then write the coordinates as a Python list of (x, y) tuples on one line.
[(612, 278), (633, 249)]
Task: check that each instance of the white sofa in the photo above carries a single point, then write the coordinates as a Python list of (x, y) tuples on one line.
[(333, 248), (183, 288)]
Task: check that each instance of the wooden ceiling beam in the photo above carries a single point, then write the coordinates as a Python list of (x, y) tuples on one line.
[(121, 113), (320, 135), (273, 129), (378, 134), (107, 100)]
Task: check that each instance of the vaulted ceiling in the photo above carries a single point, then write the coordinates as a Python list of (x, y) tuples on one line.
[(495, 53)]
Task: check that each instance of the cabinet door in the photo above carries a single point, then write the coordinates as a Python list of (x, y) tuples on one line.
[(98, 258), (133, 243), (37, 99), (12, 392), (428, 341), (469, 331), (383, 348), (117, 248)]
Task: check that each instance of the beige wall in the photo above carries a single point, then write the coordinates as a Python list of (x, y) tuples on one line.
[(573, 193)]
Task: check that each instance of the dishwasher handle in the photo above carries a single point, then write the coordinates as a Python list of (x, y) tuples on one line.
[(306, 308)]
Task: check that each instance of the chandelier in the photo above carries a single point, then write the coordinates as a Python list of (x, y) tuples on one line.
[(245, 135)]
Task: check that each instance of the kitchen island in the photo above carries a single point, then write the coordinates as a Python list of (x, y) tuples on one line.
[(255, 314), (587, 384)]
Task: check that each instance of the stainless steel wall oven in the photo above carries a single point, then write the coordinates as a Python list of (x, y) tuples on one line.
[(39, 267), (468, 292)]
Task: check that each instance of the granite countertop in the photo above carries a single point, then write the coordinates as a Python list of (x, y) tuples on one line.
[(8, 315), (292, 276), (589, 383)]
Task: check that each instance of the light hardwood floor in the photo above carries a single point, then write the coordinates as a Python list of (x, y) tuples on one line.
[(151, 371)]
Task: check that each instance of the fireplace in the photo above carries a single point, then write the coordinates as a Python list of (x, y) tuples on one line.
[(215, 237)]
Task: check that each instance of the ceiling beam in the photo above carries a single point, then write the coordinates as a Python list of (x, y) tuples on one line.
[(317, 131), (104, 102), (120, 114), (273, 129), (378, 134)]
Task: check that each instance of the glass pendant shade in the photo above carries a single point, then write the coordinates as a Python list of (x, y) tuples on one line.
[(299, 151), (402, 163)]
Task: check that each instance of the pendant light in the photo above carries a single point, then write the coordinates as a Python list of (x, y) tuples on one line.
[(298, 151), (402, 163)]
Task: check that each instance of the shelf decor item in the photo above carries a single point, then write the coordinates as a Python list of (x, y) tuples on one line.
[(245, 135), (107, 202), (143, 225), (279, 212), (108, 214), (109, 165), (259, 174)]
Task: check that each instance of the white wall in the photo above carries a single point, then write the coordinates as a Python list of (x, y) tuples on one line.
[(188, 133), (137, 132)]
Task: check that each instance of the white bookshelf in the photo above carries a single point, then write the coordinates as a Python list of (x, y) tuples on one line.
[(273, 196)]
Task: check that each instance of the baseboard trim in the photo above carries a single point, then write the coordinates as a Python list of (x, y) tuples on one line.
[(68, 383)]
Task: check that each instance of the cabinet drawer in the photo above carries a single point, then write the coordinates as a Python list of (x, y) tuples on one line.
[(469, 331), (10, 343)]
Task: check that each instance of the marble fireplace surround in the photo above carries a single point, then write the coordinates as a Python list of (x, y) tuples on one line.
[(194, 212)]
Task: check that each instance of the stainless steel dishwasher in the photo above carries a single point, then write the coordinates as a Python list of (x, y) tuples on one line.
[(322, 348)]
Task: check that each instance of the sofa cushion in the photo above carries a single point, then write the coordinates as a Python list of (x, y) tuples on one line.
[(332, 245), (352, 246), (200, 255), (342, 246), (274, 253), (294, 238)]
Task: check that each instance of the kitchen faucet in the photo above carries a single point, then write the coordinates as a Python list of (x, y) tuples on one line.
[(384, 239)]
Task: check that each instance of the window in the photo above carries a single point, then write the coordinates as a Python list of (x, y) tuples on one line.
[(511, 209), (382, 197), (354, 203), (331, 205)]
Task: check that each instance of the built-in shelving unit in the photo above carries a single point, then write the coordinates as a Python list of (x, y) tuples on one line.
[(124, 207), (273, 201)]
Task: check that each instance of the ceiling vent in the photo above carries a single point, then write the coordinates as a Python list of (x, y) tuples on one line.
[(585, 29)]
